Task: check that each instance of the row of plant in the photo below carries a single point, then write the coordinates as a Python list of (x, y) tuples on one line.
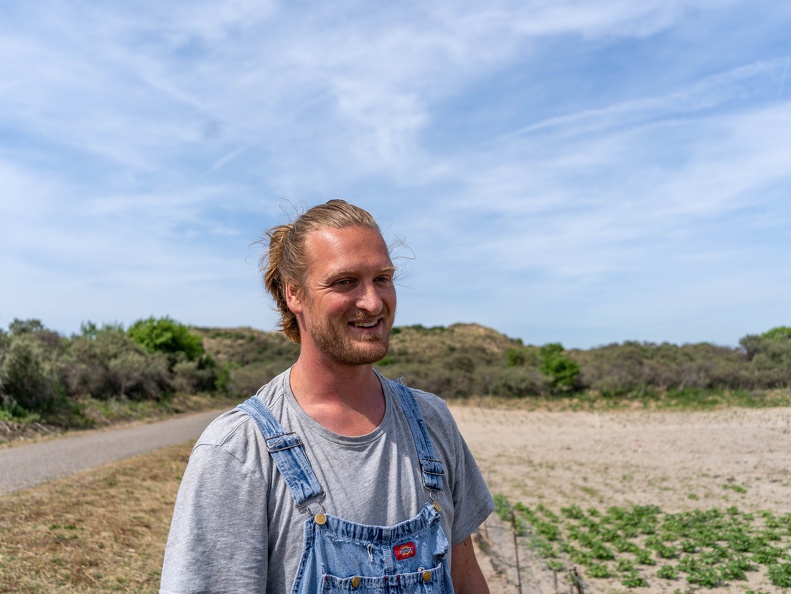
[(640, 544)]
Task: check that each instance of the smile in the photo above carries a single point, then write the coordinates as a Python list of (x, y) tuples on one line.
[(365, 323)]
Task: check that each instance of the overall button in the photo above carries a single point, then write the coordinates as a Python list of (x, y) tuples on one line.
[(426, 575), (355, 581), (320, 519)]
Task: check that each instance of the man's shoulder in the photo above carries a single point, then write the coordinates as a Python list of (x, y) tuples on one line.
[(433, 408), (235, 431), (431, 403), (225, 429)]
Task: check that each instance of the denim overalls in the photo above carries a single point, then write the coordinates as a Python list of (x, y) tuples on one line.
[(341, 556)]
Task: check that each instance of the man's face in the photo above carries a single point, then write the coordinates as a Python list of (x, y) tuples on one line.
[(347, 306)]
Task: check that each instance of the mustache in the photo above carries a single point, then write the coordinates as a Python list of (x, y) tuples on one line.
[(363, 317), (366, 318)]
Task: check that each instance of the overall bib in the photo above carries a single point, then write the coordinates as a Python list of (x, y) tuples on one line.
[(342, 556)]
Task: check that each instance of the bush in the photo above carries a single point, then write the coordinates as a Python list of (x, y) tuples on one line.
[(31, 326), (166, 336), (561, 371), (769, 357), (613, 369), (782, 333), (42, 372), (244, 381), (639, 368), (195, 376), (105, 363), (139, 376), (521, 381), (523, 357), (27, 376)]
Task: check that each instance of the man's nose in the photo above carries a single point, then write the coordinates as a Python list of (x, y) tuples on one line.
[(369, 299)]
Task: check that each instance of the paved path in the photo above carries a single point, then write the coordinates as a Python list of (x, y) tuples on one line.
[(25, 466)]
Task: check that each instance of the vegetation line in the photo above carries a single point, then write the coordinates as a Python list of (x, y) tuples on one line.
[(158, 366)]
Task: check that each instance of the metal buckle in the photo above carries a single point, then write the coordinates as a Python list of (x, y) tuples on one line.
[(286, 447), (434, 498), (305, 507)]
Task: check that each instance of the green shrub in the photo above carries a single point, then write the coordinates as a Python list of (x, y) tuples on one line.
[(31, 326), (27, 376), (195, 376), (165, 335), (106, 363), (561, 371), (140, 376), (244, 381), (769, 357), (523, 357), (782, 333), (519, 382)]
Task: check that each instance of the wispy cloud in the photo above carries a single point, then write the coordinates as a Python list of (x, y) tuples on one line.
[(537, 156), (702, 96)]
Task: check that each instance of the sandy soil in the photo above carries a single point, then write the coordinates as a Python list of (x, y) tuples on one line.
[(678, 461)]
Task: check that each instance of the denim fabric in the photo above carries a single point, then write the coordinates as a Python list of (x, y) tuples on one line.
[(287, 452), (342, 556), (338, 551), (432, 469)]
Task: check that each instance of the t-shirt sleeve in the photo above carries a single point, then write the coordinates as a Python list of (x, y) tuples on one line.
[(471, 497), (472, 500), (217, 540)]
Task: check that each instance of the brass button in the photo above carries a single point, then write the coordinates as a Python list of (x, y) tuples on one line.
[(320, 519), (426, 575), (355, 581), (437, 506)]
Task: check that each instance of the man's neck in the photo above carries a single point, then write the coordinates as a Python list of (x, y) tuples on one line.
[(344, 399)]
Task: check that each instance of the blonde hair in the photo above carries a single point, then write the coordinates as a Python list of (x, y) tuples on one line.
[(284, 259)]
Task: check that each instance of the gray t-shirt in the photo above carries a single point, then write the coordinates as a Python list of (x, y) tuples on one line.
[(235, 527)]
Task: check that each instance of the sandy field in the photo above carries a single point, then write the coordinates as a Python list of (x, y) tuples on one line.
[(678, 461)]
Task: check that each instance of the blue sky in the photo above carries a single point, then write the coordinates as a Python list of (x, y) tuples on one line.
[(582, 172)]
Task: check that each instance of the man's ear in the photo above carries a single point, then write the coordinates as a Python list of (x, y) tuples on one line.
[(294, 299)]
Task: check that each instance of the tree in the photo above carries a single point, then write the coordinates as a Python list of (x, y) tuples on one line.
[(19, 327), (561, 371), (779, 333), (27, 378), (165, 335), (770, 356)]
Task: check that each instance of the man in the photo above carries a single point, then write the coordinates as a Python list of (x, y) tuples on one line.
[(332, 478)]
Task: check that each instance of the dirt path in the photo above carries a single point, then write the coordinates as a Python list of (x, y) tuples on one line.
[(26, 466)]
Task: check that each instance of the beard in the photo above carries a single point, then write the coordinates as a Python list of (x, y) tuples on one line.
[(345, 350)]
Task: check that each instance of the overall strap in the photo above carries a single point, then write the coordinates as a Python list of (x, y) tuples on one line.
[(432, 469), (287, 452)]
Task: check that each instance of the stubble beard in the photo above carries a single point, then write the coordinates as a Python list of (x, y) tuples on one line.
[(343, 350)]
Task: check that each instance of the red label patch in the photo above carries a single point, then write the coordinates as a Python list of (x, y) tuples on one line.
[(405, 551)]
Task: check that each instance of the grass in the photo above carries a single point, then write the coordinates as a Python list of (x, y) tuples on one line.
[(100, 531)]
